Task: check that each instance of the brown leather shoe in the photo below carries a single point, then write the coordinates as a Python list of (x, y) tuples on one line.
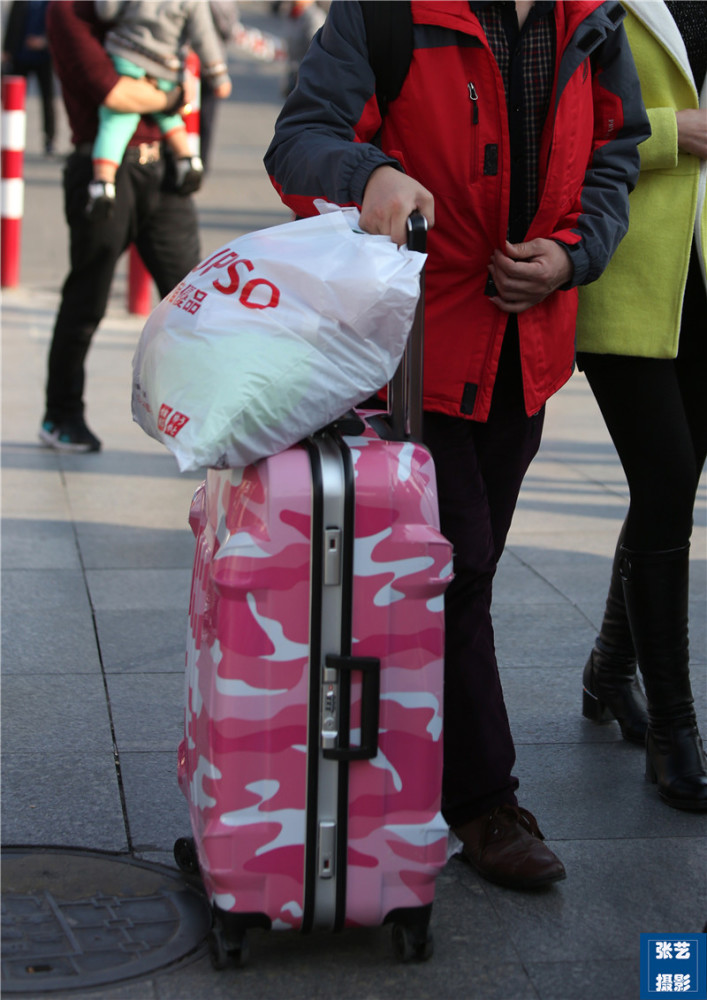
[(506, 846)]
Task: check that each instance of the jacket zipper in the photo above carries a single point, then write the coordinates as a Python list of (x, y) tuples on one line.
[(474, 98), (474, 135)]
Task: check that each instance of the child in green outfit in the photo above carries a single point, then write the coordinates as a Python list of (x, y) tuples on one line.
[(147, 39)]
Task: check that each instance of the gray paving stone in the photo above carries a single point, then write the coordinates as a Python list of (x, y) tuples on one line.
[(614, 891), (157, 811), (148, 710), (139, 589), (141, 989), (321, 969), (598, 791), (541, 635), (588, 980), (50, 641), (35, 544), (109, 546), (582, 580), (519, 582), (46, 499), (151, 502), (545, 706), (152, 641), (55, 714), (536, 510), (62, 798), (43, 589), (466, 916)]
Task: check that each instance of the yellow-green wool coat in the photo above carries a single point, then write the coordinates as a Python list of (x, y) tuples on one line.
[(635, 307)]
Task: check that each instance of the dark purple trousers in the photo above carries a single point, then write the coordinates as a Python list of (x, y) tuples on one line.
[(480, 469)]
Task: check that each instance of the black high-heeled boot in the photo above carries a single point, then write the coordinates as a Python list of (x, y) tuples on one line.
[(611, 689), (656, 594)]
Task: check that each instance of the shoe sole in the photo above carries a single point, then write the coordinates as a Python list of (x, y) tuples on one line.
[(513, 883), (597, 712), (686, 805), (75, 449), (51, 440)]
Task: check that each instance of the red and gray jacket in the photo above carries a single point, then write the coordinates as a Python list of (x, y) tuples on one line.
[(460, 151)]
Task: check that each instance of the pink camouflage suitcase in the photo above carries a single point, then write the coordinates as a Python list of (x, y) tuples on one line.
[(312, 754)]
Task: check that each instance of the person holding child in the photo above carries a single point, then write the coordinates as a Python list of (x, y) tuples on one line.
[(148, 39)]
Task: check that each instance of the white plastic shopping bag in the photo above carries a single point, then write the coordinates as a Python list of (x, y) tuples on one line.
[(271, 338)]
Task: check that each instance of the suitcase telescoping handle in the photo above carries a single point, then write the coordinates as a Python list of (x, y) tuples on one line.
[(405, 388)]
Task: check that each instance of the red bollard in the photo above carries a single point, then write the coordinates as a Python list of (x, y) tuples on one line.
[(14, 128), (139, 285), (192, 119)]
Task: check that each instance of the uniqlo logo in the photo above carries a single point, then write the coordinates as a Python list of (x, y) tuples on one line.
[(163, 415), (175, 423), (170, 422)]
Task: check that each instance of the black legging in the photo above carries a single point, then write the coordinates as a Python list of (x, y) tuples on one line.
[(656, 413)]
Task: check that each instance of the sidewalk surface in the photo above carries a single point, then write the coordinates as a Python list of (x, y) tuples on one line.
[(96, 564)]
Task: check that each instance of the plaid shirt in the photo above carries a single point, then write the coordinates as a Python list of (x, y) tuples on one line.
[(526, 60)]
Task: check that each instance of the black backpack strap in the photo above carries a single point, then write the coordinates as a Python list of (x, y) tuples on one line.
[(389, 36)]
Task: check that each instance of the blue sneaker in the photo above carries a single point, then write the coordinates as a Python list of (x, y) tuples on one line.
[(70, 436), (49, 432)]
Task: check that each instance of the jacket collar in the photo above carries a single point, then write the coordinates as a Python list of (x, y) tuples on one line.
[(458, 14), (454, 14), (541, 4)]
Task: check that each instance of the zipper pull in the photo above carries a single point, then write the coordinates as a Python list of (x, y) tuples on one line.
[(474, 97)]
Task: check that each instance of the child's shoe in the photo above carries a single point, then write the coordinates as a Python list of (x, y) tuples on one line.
[(189, 173), (101, 199)]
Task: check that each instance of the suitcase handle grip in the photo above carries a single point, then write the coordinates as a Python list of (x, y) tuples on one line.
[(405, 387), (417, 231), (369, 666)]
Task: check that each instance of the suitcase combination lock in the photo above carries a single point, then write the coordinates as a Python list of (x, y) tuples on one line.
[(330, 709), (336, 707)]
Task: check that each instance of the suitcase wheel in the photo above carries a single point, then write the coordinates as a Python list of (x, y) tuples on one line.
[(412, 942), (185, 855), (227, 949)]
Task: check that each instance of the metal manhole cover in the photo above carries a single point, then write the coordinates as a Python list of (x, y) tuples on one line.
[(73, 919)]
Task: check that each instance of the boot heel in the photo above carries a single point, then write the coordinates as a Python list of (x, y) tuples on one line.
[(594, 709)]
